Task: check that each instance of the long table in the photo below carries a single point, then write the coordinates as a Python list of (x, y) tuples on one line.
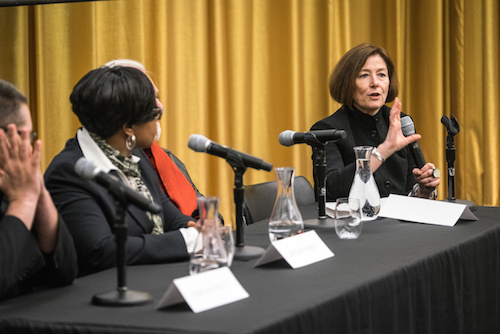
[(398, 277)]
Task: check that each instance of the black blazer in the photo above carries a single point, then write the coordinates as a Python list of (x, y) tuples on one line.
[(393, 177), (23, 266), (89, 211)]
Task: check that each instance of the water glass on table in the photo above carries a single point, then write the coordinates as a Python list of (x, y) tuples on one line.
[(348, 218), (226, 235)]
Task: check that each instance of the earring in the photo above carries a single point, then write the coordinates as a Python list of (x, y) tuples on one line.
[(130, 142)]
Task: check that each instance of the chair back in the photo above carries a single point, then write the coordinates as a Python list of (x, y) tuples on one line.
[(260, 198)]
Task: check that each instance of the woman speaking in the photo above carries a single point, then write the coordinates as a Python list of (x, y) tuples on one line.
[(363, 81)]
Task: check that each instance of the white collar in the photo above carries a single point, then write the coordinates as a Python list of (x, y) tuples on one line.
[(93, 153)]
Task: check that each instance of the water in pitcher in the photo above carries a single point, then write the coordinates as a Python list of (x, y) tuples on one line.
[(363, 186)]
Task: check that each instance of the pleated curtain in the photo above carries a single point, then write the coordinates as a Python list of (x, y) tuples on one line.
[(242, 71)]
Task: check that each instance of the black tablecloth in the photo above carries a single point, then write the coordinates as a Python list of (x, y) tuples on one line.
[(398, 277)]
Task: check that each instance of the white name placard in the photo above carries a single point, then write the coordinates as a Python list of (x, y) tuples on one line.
[(298, 251), (425, 211), (204, 291)]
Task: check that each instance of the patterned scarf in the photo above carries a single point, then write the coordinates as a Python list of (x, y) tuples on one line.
[(133, 173)]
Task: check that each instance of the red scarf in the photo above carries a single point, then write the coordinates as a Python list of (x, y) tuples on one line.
[(174, 184)]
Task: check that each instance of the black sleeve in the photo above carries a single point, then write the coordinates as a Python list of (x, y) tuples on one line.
[(25, 267)]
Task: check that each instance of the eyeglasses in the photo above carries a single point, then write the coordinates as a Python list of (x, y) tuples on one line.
[(157, 112), (33, 135)]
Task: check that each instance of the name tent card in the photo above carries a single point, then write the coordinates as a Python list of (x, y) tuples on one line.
[(298, 251), (204, 291), (424, 211)]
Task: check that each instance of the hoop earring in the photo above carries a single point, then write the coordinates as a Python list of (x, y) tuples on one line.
[(130, 142)]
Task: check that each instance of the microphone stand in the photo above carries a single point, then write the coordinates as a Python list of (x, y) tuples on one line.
[(319, 156), (121, 296), (242, 252), (452, 128)]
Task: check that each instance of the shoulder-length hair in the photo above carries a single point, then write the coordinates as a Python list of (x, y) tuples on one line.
[(343, 77)]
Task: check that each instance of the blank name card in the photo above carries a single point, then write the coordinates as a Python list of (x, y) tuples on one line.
[(204, 291), (298, 251), (425, 211)]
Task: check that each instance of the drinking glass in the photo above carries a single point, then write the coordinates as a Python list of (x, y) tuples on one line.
[(226, 235), (348, 214), (209, 251)]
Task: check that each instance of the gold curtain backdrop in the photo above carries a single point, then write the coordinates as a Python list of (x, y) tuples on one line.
[(242, 71)]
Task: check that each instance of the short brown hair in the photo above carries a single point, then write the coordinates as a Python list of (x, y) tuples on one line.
[(10, 102), (343, 77)]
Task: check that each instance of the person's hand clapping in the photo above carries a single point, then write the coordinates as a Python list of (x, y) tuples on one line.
[(20, 173)]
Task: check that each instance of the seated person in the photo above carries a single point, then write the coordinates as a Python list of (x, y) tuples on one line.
[(171, 172), (363, 81), (36, 249), (118, 111)]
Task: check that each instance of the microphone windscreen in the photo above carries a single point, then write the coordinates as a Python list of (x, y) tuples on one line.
[(407, 126), (86, 168), (286, 138), (198, 143)]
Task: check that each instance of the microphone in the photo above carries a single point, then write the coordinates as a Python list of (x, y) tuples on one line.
[(87, 170), (201, 143), (408, 129), (289, 137)]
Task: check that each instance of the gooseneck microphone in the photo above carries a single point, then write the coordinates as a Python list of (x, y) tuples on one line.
[(88, 170), (408, 129), (200, 143), (289, 137)]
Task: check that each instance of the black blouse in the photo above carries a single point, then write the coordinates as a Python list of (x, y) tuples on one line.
[(394, 176)]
